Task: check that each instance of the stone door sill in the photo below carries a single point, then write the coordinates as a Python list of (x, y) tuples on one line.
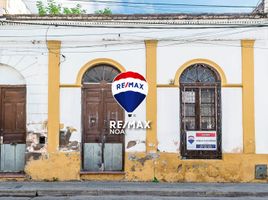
[(102, 173), (12, 175)]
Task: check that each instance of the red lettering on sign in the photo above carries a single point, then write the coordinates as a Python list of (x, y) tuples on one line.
[(205, 134)]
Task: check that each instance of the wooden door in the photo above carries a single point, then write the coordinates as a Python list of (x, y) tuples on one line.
[(101, 150), (13, 128)]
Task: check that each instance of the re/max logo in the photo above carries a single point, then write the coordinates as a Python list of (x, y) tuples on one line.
[(129, 85), (118, 127)]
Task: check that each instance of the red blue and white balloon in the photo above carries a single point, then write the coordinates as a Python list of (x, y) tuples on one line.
[(129, 90)]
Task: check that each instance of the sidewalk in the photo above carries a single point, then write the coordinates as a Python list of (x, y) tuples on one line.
[(33, 189)]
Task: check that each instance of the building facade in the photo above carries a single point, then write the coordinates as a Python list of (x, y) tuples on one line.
[(206, 76)]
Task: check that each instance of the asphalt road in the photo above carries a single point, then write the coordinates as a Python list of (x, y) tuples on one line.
[(131, 191), (130, 198)]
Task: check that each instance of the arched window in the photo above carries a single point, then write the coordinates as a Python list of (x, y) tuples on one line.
[(100, 73), (200, 95)]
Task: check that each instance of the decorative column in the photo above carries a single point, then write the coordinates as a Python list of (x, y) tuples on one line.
[(248, 96), (151, 100), (53, 95)]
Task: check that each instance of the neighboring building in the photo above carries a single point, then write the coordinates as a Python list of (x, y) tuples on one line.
[(13, 7), (207, 77)]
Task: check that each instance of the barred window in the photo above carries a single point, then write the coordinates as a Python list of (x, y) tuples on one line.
[(200, 89)]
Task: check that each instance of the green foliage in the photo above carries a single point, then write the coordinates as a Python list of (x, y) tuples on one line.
[(105, 11), (67, 11), (53, 8), (41, 8), (78, 10)]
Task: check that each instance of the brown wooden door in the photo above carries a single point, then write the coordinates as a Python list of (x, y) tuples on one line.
[(13, 114), (98, 109), (12, 128)]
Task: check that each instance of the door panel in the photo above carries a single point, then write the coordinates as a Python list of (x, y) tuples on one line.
[(112, 112), (12, 157), (92, 156), (113, 156), (13, 115), (92, 116), (13, 128), (101, 150)]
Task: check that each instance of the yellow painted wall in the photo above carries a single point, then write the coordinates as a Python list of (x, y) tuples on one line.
[(169, 167), (58, 166), (166, 167)]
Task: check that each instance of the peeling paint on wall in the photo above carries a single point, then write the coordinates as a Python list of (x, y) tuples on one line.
[(36, 140), (66, 143), (133, 143)]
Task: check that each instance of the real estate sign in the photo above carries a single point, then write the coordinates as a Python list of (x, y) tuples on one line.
[(202, 140)]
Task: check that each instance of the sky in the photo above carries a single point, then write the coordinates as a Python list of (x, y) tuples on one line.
[(125, 8)]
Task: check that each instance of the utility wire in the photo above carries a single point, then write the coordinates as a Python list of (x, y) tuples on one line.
[(137, 48), (122, 42), (126, 3), (172, 5), (197, 40)]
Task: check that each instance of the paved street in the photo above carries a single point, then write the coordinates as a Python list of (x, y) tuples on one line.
[(130, 190), (131, 198)]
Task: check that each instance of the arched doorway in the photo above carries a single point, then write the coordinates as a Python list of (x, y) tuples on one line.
[(102, 151), (12, 120), (200, 113)]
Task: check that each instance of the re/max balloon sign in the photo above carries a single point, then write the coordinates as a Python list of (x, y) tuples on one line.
[(129, 90)]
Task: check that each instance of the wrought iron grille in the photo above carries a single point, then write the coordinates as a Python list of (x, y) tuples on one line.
[(100, 73)]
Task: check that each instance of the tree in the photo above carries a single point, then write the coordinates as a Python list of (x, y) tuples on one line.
[(78, 10), (53, 8), (56, 9), (105, 11), (41, 8)]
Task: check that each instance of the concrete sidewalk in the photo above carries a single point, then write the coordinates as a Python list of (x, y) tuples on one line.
[(42, 189)]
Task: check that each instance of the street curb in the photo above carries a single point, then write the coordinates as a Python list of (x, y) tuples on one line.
[(164, 193), (18, 193)]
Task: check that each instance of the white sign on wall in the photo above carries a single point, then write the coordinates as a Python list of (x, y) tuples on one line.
[(201, 140)]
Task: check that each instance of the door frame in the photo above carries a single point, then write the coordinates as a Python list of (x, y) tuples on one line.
[(25, 124), (83, 88)]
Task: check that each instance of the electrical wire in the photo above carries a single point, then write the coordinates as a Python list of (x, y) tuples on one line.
[(191, 36), (139, 48), (126, 3)]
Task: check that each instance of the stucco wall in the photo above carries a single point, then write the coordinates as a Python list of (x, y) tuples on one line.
[(261, 97), (168, 119), (232, 131), (32, 66), (226, 54)]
